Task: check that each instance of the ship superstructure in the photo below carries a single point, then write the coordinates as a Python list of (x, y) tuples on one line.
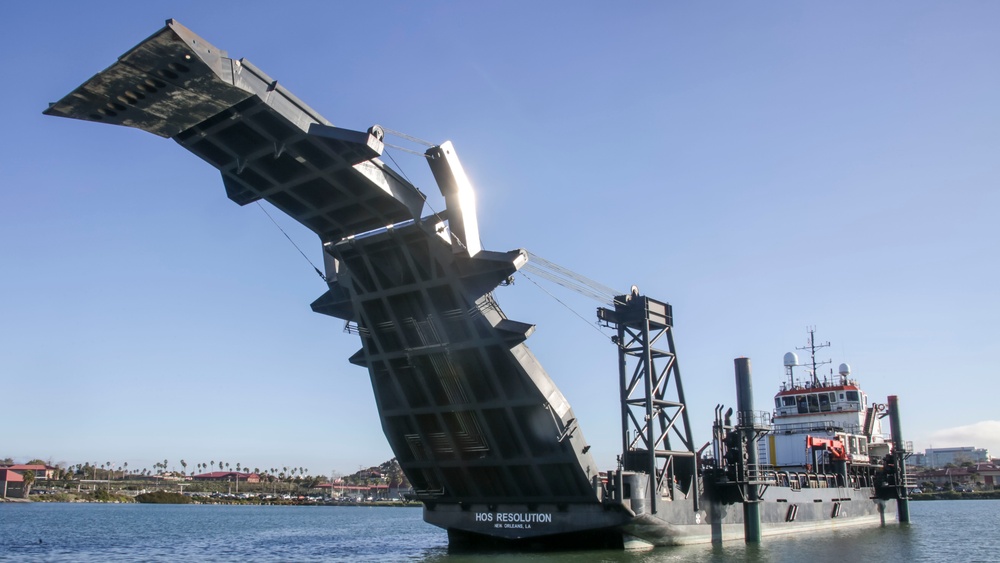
[(818, 418)]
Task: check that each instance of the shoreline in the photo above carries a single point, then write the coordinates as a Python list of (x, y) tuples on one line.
[(949, 495), (123, 499), (986, 495)]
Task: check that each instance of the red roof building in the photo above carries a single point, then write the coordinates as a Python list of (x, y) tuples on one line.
[(990, 473), (41, 471), (11, 484)]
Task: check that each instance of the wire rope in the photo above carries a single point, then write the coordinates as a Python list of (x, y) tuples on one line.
[(321, 275), (570, 309)]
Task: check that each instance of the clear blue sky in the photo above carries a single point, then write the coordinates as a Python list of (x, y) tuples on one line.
[(762, 166)]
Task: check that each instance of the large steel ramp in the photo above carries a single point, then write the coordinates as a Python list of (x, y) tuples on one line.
[(467, 409), (265, 141)]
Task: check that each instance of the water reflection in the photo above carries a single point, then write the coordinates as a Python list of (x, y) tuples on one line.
[(941, 531)]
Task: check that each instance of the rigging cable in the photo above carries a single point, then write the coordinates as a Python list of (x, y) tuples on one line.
[(536, 264), (571, 280), (434, 212), (321, 275), (571, 310), (400, 168), (404, 149), (416, 140)]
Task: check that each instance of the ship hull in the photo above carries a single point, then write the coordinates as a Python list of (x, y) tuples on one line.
[(783, 511)]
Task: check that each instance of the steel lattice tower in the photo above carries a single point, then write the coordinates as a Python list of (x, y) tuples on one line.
[(652, 396)]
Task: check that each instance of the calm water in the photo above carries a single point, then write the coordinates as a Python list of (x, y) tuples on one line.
[(941, 531)]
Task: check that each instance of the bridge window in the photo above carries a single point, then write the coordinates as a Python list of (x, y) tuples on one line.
[(814, 403), (852, 396), (824, 402)]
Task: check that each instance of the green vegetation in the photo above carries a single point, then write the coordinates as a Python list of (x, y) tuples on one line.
[(83, 496), (103, 495), (55, 497), (163, 497), (29, 480), (955, 495), (114, 482)]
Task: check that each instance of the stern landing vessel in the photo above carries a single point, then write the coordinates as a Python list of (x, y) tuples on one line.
[(489, 443)]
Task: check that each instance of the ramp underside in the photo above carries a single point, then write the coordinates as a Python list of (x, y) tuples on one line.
[(467, 409), (266, 142), (164, 85), (469, 412)]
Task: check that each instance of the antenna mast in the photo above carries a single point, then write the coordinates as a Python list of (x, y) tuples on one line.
[(812, 347)]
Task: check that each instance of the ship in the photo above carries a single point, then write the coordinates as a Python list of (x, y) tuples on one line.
[(491, 446)]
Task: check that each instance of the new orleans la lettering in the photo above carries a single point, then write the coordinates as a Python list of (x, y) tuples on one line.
[(515, 517)]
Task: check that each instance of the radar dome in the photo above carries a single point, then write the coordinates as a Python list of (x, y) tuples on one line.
[(845, 370), (791, 359)]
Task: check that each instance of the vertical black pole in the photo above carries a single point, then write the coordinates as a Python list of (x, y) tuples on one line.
[(650, 373), (745, 422), (898, 451)]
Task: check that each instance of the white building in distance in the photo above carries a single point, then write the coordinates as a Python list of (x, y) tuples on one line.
[(933, 458)]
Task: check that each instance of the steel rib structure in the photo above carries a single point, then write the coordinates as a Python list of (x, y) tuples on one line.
[(474, 420)]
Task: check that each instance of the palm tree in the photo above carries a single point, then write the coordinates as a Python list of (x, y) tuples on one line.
[(213, 465), (29, 479), (184, 467)]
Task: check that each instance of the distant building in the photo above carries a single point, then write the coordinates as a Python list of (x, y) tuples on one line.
[(940, 457), (11, 484), (228, 476), (357, 492), (41, 471), (990, 473), (947, 478)]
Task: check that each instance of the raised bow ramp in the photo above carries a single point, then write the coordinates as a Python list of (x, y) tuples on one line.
[(264, 140), (477, 425)]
